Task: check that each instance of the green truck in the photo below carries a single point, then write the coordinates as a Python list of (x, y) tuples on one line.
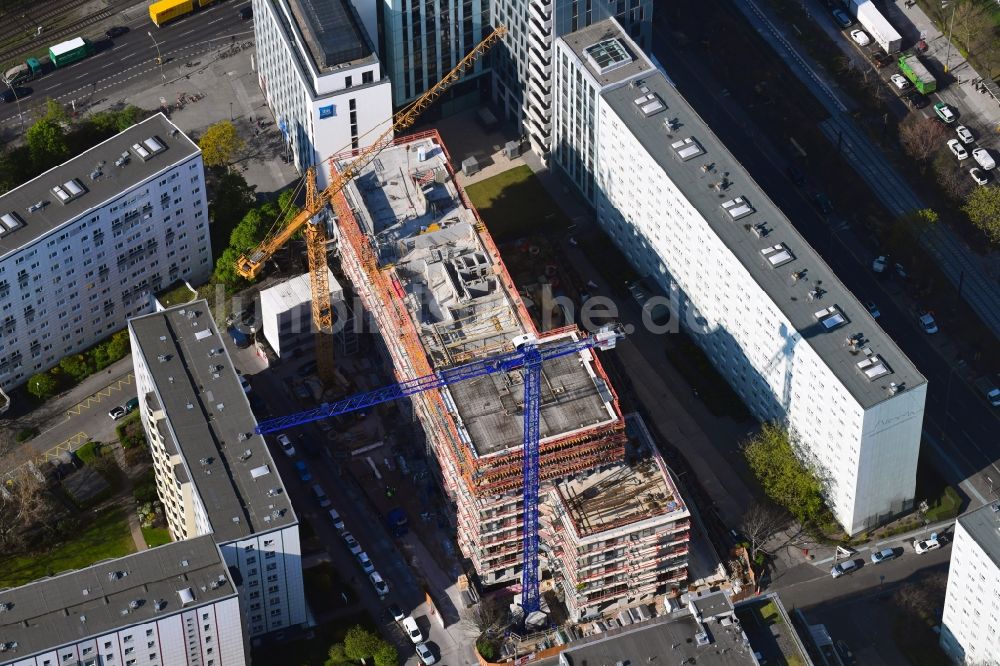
[(26, 71), (66, 52), (919, 76)]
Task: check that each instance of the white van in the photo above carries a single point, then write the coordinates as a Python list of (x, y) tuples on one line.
[(984, 158), (381, 587), (320, 496)]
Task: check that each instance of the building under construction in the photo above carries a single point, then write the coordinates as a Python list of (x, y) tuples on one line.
[(428, 271)]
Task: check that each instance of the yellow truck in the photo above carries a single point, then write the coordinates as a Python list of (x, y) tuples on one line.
[(167, 10)]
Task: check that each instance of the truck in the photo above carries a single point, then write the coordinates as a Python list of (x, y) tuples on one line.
[(919, 76), (70, 51), (168, 10), (988, 390), (877, 26), (26, 71)]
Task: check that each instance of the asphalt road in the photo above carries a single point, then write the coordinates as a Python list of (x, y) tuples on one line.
[(956, 418), (118, 63)]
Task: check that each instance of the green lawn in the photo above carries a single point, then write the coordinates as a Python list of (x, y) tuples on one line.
[(89, 452), (155, 536), (176, 295), (515, 204), (107, 536)]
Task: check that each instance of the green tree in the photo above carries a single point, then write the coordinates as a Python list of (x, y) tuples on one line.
[(359, 643), (46, 144), (77, 367), (15, 168), (43, 385), (55, 112), (337, 656), (127, 117), (225, 269), (386, 655), (233, 198), (219, 144), (251, 230), (785, 479), (982, 205), (119, 346)]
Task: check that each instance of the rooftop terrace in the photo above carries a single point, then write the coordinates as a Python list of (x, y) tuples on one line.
[(90, 180), (90, 602), (210, 422), (461, 298)]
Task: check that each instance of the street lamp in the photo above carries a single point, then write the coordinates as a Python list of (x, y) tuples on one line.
[(951, 27), (17, 99), (159, 59)]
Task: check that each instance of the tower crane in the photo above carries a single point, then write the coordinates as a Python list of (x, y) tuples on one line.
[(528, 357), (250, 264)]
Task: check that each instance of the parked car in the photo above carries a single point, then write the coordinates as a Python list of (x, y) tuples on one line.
[(823, 203), (883, 555), (115, 31), (988, 390), (352, 543), (304, 475), (412, 630), (842, 19), (983, 157), (381, 587), (927, 545), (286, 445), (320, 496), (338, 522), (246, 13), (844, 568), (927, 322), (881, 60), (860, 37), (981, 177), (426, 656), (900, 81), (917, 100), (945, 113), (365, 562), (117, 412), (873, 310), (957, 149), (878, 265), (396, 612), (965, 134)]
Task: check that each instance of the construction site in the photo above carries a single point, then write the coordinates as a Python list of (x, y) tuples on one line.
[(614, 530)]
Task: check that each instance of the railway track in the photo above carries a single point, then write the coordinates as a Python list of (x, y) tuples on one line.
[(70, 30), (13, 24)]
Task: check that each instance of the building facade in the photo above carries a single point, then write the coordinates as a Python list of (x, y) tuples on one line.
[(792, 341), (322, 78), (83, 245), (214, 475), (522, 63), (970, 625), (175, 605), (286, 317)]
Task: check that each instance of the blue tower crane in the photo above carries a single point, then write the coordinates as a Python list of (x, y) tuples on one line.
[(528, 356)]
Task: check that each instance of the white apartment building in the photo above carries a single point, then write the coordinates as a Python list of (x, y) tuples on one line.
[(776, 322), (83, 245), (970, 626), (522, 64), (175, 605), (321, 77), (213, 474)]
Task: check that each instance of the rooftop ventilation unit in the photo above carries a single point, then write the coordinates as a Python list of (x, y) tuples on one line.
[(759, 230), (6, 606), (68, 191), (159, 605), (38, 205), (186, 595), (777, 255), (162, 358), (687, 149), (873, 367), (830, 317), (123, 159), (737, 208), (9, 222)]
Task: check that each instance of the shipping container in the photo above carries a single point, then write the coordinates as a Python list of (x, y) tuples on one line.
[(167, 10), (919, 76), (878, 27), (70, 51)]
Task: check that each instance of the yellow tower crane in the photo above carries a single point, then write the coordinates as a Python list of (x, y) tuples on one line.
[(250, 265)]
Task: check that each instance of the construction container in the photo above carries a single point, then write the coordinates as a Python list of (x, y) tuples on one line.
[(167, 10), (70, 51)]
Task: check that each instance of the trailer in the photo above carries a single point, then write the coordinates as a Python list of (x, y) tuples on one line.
[(26, 71), (919, 76), (69, 51), (168, 10), (877, 26)]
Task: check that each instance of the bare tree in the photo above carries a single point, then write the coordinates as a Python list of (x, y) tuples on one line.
[(489, 616), (921, 137), (953, 178), (24, 504), (761, 522), (974, 25)]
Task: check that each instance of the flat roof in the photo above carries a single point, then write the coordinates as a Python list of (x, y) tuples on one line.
[(211, 423), (97, 176), (462, 300), (983, 525), (635, 489), (665, 639), (108, 596), (295, 292), (331, 32), (751, 225), (609, 57)]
